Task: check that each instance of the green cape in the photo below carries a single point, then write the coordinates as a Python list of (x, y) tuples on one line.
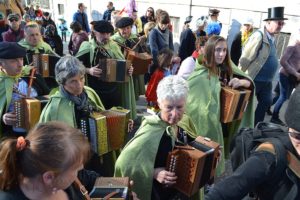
[(60, 108), (127, 89), (41, 45), (203, 106), (138, 80), (6, 90), (138, 156)]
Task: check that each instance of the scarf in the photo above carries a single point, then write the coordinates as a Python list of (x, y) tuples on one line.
[(81, 101)]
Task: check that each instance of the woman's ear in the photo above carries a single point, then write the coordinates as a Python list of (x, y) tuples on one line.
[(48, 177)]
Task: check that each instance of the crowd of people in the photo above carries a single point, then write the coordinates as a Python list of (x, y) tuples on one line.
[(182, 90)]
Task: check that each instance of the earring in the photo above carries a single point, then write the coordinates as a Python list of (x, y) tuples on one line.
[(54, 190)]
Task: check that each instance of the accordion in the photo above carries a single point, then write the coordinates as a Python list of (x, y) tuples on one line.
[(45, 64), (95, 128), (233, 103), (28, 112), (140, 61), (117, 126), (193, 164), (114, 70), (113, 188)]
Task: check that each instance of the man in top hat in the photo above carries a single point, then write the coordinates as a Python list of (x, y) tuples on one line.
[(126, 39), (270, 176), (213, 17), (12, 85), (14, 33), (260, 61), (101, 47), (187, 40)]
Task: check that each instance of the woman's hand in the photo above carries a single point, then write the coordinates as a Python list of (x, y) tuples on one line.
[(236, 83), (130, 125), (94, 71), (9, 119), (164, 177), (130, 70)]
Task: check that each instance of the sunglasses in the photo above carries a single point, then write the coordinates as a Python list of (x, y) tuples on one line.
[(13, 19), (295, 135)]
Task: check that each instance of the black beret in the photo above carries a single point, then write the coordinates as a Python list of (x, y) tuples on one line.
[(11, 50), (292, 113), (124, 22), (102, 26)]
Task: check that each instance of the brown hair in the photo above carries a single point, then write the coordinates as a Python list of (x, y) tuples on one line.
[(163, 17), (209, 56), (52, 146), (164, 58)]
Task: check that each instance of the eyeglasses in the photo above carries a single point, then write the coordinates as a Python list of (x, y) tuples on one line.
[(295, 135)]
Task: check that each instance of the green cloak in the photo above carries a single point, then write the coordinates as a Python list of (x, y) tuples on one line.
[(61, 109), (203, 106), (138, 156), (138, 80), (6, 90), (41, 45), (127, 89)]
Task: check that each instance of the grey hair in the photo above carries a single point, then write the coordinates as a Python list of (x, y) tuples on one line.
[(31, 25), (68, 67), (172, 88)]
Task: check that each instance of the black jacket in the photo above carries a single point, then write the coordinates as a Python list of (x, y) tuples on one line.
[(257, 174)]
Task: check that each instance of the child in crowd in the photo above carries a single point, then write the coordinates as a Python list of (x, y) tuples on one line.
[(63, 29), (164, 69)]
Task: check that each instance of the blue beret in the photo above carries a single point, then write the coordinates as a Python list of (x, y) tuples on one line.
[(124, 22), (11, 50)]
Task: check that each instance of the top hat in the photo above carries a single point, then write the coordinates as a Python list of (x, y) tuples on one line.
[(276, 13)]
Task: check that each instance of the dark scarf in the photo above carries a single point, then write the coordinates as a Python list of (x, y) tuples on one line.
[(81, 101)]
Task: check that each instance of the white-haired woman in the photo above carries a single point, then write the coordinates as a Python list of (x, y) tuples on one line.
[(143, 159)]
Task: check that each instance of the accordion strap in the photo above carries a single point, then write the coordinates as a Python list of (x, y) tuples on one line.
[(82, 189)]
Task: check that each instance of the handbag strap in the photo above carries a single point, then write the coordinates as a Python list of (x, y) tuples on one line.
[(85, 193), (82, 189)]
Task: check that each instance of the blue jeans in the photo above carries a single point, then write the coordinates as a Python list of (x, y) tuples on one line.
[(264, 98), (286, 87)]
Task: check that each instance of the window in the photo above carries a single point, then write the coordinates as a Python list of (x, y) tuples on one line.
[(61, 9)]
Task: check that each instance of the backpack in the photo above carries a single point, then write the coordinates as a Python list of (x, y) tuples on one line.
[(248, 139)]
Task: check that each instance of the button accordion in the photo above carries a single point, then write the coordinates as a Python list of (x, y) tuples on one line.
[(114, 70), (233, 103), (28, 112), (140, 61), (106, 130), (114, 188), (45, 64), (193, 164)]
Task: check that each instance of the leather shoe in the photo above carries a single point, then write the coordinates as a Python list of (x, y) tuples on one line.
[(277, 121)]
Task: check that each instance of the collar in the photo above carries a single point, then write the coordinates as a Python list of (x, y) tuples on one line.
[(270, 37)]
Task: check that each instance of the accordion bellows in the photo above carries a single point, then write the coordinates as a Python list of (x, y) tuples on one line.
[(193, 164), (106, 130), (28, 112), (233, 103), (140, 61), (114, 70)]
